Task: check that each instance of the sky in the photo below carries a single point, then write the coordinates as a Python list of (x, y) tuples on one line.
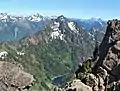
[(105, 9)]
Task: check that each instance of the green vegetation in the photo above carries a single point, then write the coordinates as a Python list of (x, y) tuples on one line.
[(43, 61), (49, 58), (88, 65)]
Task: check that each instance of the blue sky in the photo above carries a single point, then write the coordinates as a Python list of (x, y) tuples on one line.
[(106, 9)]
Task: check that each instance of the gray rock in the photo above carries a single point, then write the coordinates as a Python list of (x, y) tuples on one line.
[(13, 78), (77, 85), (105, 74)]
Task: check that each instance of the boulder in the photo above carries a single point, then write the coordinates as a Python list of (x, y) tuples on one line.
[(13, 78), (77, 85), (91, 80)]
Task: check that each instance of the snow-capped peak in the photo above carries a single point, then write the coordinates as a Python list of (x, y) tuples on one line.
[(3, 16), (35, 18), (61, 18)]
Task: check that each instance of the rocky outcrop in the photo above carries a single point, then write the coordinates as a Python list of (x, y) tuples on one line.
[(13, 78), (102, 72), (109, 57), (77, 85), (108, 60)]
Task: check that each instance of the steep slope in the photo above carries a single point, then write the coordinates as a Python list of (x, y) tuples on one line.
[(51, 52), (101, 73)]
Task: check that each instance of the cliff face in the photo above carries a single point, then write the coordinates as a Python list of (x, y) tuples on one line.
[(109, 57), (102, 72)]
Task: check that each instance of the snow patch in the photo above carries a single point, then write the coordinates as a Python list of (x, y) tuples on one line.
[(35, 18), (101, 24), (55, 34), (72, 26), (55, 25), (90, 34), (3, 16), (3, 54), (61, 37), (21, 53)]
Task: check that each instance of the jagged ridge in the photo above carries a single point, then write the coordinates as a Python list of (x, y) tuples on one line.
[(101, 73)]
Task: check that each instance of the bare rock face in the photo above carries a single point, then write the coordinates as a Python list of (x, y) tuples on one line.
[(77, 85), (109, 57), (109, 48), (13, 78), (105, 74)]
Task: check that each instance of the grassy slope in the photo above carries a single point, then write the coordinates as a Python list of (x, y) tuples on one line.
[(46, 60)]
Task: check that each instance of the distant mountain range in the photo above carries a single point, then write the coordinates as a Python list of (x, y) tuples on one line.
[(13, 28), (91, 23)]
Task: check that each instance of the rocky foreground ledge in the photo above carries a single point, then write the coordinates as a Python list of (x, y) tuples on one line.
[(13, 78), (102, 72)]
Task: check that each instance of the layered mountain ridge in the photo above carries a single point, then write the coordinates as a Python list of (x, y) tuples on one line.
[(47, 48), (52, 51), (16, 27)]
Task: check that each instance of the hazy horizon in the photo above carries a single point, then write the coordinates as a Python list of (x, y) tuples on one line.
[(82, 9)]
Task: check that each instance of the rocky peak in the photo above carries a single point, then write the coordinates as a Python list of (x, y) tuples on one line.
[(114, 29), (61, 18), (110, 39), (109, 54), (102, 72), (36, 18)]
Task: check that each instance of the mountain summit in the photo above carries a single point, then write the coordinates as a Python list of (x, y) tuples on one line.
[(14, 28)]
